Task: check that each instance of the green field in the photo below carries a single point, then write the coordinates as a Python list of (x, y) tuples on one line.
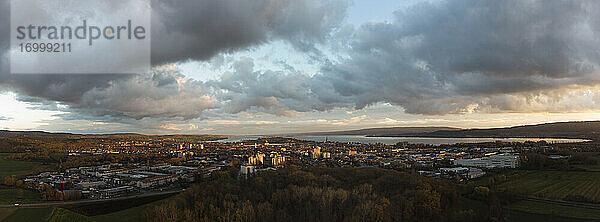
[(5, 212), (9, 195), (29, 214), (561, 185), (131, 214), (554, 209), (19, 168), (60, 214)]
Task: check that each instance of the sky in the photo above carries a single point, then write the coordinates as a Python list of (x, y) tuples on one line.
[(288, 66)]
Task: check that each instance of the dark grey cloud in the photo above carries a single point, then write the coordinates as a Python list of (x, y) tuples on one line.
[(4, 36), (165, 93), (200, 29), (280, 93), (439, 57), (459, 56), (181, 30), (506, 38)]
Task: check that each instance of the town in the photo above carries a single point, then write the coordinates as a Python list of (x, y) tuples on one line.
[(162, 164)]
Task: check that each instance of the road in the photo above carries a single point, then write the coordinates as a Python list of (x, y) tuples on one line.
[(62, 203)]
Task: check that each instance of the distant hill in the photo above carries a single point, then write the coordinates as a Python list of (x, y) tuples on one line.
[(574, 130), (383, 131), (42, 134), (8, 133), (580, 129)]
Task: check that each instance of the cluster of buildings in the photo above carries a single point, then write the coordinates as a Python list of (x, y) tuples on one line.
[(503, 160), (108, 181), (273, 159), (262, 162), (162, 145), (451, 162), (455, 173), (461, 162), (470, 164)]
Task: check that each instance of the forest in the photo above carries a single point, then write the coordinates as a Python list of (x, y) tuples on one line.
[(320, 194)]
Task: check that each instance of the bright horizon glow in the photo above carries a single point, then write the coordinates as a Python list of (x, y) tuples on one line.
[(17, 116)]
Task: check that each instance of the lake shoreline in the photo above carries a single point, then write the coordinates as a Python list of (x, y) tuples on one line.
[(413, 140), (495, 137)]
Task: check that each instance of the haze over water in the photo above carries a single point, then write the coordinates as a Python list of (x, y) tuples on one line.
[(414, 140)]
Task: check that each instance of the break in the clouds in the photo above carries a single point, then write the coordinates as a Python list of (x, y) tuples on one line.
[(434, 57), (463, 56), (453, 57), (182, 30)]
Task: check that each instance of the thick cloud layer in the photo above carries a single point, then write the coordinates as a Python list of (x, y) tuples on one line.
[(165, 93), (272, 92), (443, 57), (454, 56), (200, 29), (181, 30)]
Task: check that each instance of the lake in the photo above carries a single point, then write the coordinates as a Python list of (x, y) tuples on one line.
[(414, 140)]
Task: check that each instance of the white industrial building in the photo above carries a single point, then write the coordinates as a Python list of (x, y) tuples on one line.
[(493, 161)]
